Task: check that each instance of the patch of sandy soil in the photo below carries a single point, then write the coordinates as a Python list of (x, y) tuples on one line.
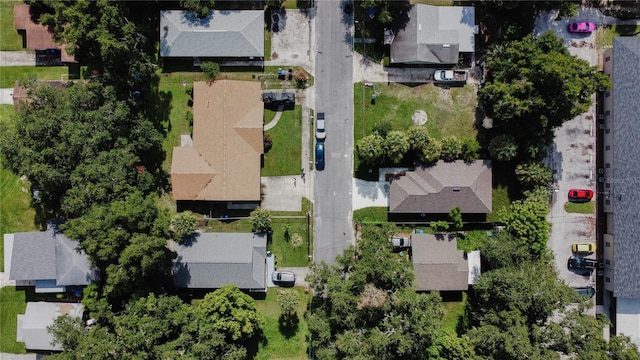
[(419, 117)]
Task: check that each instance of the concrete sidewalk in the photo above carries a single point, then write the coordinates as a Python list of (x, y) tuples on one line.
[(18, 58)]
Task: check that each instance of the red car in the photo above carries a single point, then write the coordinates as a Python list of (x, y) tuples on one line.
[(580, 195), (582, 27)]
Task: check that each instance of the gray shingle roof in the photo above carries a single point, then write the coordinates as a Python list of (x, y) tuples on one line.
[(435, 34), (228, 33), (49, 255), (438, 264), (442, 187), (33, 256), (212, 260), (626, 166)]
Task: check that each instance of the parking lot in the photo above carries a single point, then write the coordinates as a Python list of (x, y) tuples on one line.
[(572, 159)]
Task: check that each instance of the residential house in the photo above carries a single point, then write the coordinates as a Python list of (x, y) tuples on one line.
[(47, 260), (221, 161), (212, 260), (32, 325), (224, 34), (435, 190), (38, 37), (619, 126), (439, 265), (434, 35)]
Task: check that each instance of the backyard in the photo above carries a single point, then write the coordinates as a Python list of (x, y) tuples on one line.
[(605, 34), (284, 340), (11, 40)]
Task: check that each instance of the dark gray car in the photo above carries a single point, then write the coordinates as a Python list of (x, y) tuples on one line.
[(283, 278)]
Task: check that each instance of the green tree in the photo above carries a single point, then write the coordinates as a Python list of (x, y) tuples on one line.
[(370, 149), (439, 226), (183, 224), (289, 301), (533, 86), (66, 332), (456, 217), (431, 152), (200, 8), (261, 220), (526, 221), (396, 146), (532, 175), (231, 312), (274, 4), (418, 137), (450, 148), (503, 147), (210, 69), (470, 149)]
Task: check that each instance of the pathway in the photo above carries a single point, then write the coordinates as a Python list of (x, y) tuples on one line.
[(18, 58), (275, 120)]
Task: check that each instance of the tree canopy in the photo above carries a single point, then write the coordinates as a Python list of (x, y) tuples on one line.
[(533, 86), (221, 326)]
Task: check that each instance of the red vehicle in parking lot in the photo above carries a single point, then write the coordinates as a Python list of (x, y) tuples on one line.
[(580, 195), (582, 27)]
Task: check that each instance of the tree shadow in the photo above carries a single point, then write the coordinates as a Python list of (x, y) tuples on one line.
[(288, 324)]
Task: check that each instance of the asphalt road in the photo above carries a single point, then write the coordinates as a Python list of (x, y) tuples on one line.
[(334, 97)]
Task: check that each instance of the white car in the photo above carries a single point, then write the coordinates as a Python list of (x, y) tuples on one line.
[(321, 133), (283, 278)]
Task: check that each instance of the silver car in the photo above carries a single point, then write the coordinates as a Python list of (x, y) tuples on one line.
[(283, 278), (321, 133)]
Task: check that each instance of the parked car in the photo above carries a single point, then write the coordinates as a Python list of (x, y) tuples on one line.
[(400, 242), (580, 263), (586, 248), (283, 278), (580, 195), (585, 291), (321, 133), (582, 27), (320, 155)]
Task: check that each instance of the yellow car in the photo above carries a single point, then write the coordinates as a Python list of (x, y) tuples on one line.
[(583, 247)]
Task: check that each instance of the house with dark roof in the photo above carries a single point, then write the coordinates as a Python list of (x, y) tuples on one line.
[(32, 325), (435, 190), (439, 265), (434, 35), (224, 34), (37, 36), (212, 260), (47, 260), (618, 184), (221, 161)]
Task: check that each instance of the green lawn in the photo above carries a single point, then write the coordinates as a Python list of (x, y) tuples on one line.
[(284, 158), (453, 314), (499, 199), (580, 208), (449, 111), (371, 215), (12, 303), (295, 251), (472, 240), (9, 74), (9, 37), (170, 106), (283, 341), (15, 211)]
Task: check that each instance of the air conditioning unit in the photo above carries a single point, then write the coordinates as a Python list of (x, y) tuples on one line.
[(602, 126), (600, 171), (601, 116), (602, 179), (601, 88)]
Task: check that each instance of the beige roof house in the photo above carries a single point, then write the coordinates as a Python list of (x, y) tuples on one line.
[(438, 264), (439, 188), (38, 37), (222, 163)]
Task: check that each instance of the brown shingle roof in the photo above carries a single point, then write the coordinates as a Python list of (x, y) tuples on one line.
[(224, 162), (438, 264), (442, 187), (38, 36)]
